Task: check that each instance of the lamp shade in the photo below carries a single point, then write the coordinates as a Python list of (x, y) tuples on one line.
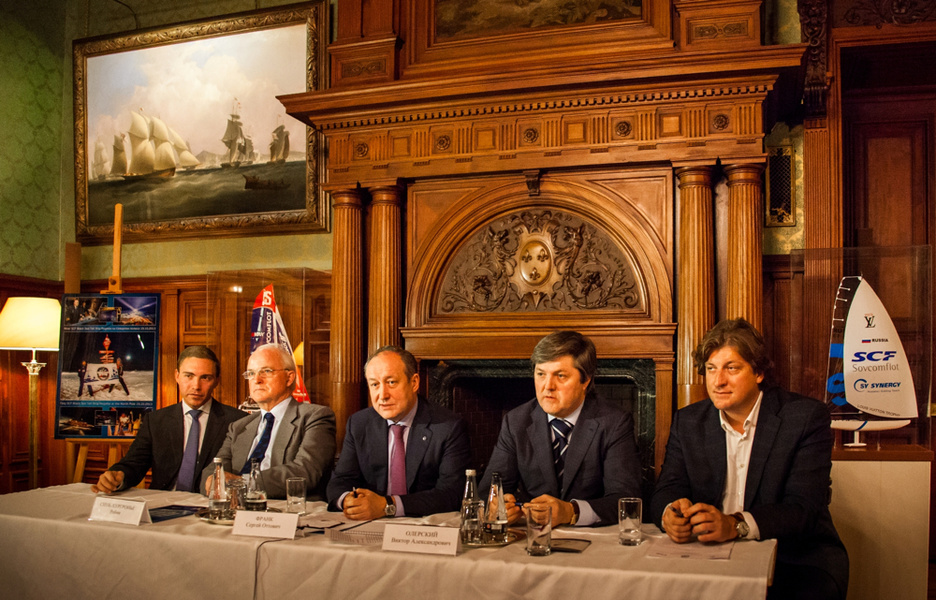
[(30, 324)]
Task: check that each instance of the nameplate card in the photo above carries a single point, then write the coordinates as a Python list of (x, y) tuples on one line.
[(266, 524), (129, 511), (426, 539)]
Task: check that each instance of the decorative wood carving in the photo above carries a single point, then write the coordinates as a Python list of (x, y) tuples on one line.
[(543, 261), (548, 130), (814, 15), (718, 24), (889, 12)]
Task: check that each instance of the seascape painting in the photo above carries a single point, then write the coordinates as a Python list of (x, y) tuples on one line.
[(182, 127), (476, 18), (195, 129)]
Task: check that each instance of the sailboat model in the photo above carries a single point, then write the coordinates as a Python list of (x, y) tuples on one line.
[(870, 385)]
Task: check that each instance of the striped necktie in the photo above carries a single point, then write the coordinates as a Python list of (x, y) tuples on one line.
[(260, 451), (561, 430)]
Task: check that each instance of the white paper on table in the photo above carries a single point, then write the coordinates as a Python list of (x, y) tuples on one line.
[(664, 547)]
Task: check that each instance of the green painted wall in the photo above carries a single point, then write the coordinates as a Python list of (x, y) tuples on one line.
[(32, 45)]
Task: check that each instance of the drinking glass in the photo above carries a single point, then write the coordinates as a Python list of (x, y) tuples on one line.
[(296, 495), (538, 529), (630, 513)]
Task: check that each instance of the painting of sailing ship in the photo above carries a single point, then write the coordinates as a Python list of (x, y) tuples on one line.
[(190, 135)]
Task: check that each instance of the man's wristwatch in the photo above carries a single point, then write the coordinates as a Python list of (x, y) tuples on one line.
[(575, 513), (390, 509), (740, 526)]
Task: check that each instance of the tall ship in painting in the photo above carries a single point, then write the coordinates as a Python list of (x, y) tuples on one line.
[(240, 151), (869, 386), (119, 164), (156, 150), (279, 145)]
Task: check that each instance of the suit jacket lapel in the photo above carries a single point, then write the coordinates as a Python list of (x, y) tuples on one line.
[(420, 436), (284, 434), (214, 434), (717, 451), (583, 435), (240, 450), (768, 425), (541, 440), (377, 444), (176, 438)]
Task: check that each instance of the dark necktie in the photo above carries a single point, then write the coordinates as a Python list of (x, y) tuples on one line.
[(187, 470), (398, 462), (260, 451), (561, 429)]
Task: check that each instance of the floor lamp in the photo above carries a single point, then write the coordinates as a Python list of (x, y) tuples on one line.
[(31, 324)]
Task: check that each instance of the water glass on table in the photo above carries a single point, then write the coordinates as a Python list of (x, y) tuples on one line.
[(538, 529), (630, 514), (296, 495)]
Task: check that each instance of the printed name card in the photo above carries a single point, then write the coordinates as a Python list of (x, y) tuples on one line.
[(129, 511), (426, 539), (266, 524)]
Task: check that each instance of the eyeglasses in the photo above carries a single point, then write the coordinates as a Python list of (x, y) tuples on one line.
[(262, 373)]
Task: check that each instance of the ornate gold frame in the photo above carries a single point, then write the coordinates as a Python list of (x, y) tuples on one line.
[(315, 215)]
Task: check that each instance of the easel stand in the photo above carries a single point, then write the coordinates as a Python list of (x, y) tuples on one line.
[(76, 455)]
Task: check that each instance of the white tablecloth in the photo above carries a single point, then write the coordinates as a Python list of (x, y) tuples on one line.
[(48, 549)]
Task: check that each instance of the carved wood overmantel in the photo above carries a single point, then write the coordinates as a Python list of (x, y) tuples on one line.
[(526, 181)]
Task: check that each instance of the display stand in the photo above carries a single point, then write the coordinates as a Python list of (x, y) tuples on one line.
[(76, 456)]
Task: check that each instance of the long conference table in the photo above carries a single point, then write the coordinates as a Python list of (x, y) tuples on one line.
[(49, 549)]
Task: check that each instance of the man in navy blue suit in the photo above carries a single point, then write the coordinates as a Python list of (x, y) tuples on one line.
[(164, 434), (402, 456), (571, 452), (752, 463)]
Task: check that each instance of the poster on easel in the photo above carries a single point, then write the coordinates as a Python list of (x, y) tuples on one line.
[(108, 364)]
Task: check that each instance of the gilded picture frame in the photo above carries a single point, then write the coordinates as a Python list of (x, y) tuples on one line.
[(181, 126)]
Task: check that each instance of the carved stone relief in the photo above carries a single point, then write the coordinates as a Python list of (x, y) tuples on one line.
[(539, 261)]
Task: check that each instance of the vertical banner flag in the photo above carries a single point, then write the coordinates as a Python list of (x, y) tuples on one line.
[(266, 327)]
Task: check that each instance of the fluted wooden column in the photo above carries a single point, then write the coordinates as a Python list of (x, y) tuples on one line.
[(385, 287), (695, 311), (745, 294), (346, 367)]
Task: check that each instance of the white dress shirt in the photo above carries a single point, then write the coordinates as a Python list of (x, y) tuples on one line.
[(739, 458)]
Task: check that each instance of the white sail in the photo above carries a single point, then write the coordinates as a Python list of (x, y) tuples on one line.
[(142, 151), (877, 375), (119, 166), (99, 164)]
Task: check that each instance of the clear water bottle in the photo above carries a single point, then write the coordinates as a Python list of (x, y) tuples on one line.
[(495, 518), (256, 496), (472, 511), (217, 496)]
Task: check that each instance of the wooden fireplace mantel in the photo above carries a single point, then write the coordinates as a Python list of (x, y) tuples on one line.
[(413, 125)]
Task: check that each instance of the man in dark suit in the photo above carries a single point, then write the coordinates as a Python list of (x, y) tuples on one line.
[(564, 449), (753, 464), (165, 434), (288, 438), (402, 456)]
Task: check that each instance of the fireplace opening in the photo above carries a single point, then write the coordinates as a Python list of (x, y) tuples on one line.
[(483, 391)]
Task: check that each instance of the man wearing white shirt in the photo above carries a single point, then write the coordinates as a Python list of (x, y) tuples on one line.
[(753, 464), (566, 449), (402, 456), (289, 438), (169, 440)]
